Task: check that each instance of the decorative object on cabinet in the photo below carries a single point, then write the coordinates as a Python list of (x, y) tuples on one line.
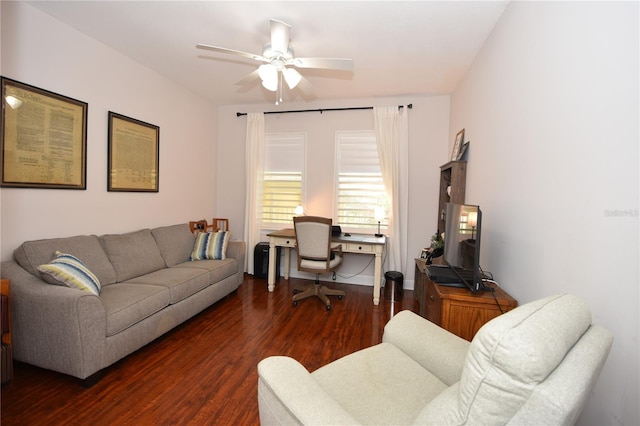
[(453, 175), (457, 145), (134, 155), (457, 309), (44, 138)]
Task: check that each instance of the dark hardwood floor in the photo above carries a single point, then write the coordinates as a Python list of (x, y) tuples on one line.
[(204, 371)]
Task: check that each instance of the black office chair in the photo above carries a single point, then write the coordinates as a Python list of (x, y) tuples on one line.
[(315, 254)]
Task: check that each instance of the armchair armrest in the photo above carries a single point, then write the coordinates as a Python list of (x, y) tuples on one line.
[(288, 394), (439, 351)]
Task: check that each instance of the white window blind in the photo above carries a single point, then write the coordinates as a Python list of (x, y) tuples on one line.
[(360, 187), (283, 177)]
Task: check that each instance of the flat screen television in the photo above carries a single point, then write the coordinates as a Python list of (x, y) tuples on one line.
[(463, 223)]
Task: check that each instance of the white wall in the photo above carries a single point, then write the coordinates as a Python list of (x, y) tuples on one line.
[(551, 108), (428, 134), (67, 62)]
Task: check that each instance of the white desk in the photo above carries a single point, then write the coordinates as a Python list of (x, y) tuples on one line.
[(356, 243)]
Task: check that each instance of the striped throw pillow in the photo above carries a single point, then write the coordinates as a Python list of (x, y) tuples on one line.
[(211, 245), (68, 270)]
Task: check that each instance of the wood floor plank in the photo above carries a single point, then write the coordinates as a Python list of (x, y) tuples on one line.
[(204, 371)]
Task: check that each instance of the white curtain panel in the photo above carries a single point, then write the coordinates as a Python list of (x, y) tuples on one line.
[(392, 136), (254, 164)]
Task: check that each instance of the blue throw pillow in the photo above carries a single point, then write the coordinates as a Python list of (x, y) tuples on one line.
[(211, 245)]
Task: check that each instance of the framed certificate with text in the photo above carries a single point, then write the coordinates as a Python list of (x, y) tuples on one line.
[(44, 138), (133, 158)]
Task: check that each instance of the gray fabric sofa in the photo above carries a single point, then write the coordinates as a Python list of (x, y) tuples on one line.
[(149, 286)]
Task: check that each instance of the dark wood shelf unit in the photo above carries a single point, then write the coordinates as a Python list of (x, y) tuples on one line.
[(453, 174)]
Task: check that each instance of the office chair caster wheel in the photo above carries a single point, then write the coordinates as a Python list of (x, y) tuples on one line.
[(295, 291), (328, 307), (295, 303), (339, 297)]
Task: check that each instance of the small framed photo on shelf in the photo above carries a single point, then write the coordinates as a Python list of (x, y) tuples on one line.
[(133, 155), (457, 145), (463, 151)]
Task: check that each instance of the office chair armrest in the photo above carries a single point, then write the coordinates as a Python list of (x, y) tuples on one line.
[(289, 394)]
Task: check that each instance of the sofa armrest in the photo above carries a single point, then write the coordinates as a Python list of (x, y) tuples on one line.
[(237, 250), (55, 327), (439, 351), (288, 394)]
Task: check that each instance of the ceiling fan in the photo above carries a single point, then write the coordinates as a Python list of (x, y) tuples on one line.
[(279, 61)]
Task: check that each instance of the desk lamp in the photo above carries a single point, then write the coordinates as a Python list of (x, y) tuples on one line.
[(379, 215)]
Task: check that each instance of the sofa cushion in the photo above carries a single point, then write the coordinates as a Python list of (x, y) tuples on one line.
[(218, 269), (69, 271), (175, 243), (211, 245), (32, 254), (133, 254), (127, 304), (372, 385), (181, 282), (511, 354)]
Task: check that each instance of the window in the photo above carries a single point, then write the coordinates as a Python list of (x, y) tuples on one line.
[(360, 189), (283, 177)]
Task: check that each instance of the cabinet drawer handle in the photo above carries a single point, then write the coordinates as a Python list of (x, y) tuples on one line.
[(287, 242), (359, 247), (432, 298)]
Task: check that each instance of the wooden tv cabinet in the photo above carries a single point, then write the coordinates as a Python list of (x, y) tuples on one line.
[(457, 309)]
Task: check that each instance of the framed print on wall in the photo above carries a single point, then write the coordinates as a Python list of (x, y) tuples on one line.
[(134, 155), (43, 141), (457, 145)]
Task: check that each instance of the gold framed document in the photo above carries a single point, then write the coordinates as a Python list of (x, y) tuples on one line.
[(134, 148), (43, 141)]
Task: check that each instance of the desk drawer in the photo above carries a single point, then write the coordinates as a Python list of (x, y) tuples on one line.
[(285, 242), (358, 248)]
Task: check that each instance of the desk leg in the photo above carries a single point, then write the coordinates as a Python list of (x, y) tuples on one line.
[(271, 277), (377, 278), (287, 262)]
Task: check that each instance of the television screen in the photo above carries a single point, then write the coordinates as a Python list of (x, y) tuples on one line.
[(462, 243)]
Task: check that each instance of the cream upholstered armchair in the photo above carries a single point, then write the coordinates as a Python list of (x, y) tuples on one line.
[(315, 254), (533, 365)]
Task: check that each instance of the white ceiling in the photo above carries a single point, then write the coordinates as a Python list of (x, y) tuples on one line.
[(398, 47)]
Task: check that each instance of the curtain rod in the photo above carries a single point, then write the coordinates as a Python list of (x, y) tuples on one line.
[(320, 110)]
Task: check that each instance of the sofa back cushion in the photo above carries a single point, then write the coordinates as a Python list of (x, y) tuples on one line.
[(31, 254), (175, 243), (133, 254)]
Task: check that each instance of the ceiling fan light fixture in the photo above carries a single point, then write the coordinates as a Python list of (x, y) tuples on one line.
[(269, 76), (292, 77)]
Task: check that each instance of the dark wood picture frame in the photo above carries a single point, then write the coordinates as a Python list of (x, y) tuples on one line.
[(43, 139), (134, 155)]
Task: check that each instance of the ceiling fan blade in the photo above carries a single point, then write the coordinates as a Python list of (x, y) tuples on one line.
[(306, 87), (249, 78), (232, 52), (280, 34), (342, 64)]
